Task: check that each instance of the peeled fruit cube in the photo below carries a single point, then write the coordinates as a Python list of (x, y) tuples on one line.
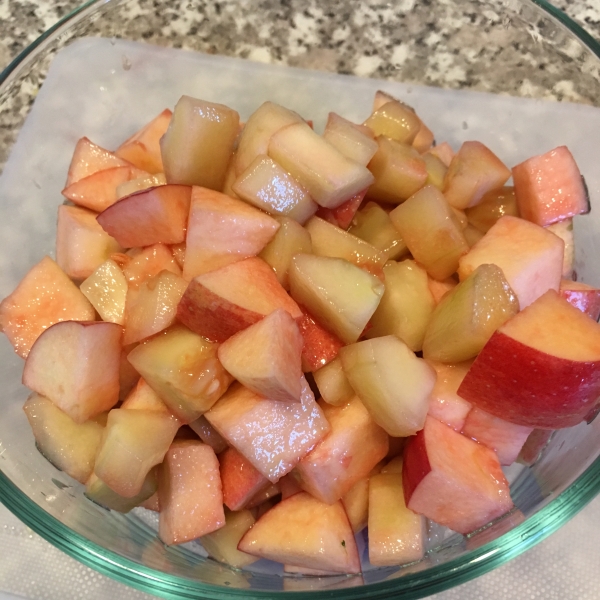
[(324, 171), (564, 230), (334, 387), (222, 230), (266, 185), (198, 144), (81, 244), (287, 432), (453, 480), (153, 216), (466, 317), (291, 238), (106, 289), (356, 502), (445, 404), (149, 262), (395, 120), (493, 205), (504, 438), (208, 434), (304, 532), (550, 188), (183, 369), (140, 184), (266, 357), (143, 397), (342, 215), (152, 307), (190, 493), (100, 493), (320, 346), (356, 142), (142, 149), (134, 441), (354, 445), (474, 170), (222, 544), (396, 533), (373, 225), (436, 170), (340, 295), (530, 257), (69, 446), (218, 304), (399, 172), (45, 296), (540, 369), (241, 481), (406, 306), (76, 366), (582, 296), (391, 381), (431, 231)]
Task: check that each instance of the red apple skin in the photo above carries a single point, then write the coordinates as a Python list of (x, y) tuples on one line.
[(530, 396), (241, 481), (581, 296), (342, 215), (320, 346)]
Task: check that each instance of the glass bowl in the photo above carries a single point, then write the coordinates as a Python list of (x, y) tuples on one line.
[(495, 57)]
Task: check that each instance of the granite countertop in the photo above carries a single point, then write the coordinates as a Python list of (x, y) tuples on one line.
[(541, 573)]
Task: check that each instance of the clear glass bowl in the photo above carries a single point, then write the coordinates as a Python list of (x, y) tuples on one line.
[(510, 48)]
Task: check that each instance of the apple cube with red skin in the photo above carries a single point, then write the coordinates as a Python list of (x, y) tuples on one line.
[(444, 403), (541, 368), (354, 445), (222, 230), (530, 257), (140, 184), (504, 438), (148, 263), (550, 188), (106, 289), (45, 296), (453, 480), (274, 436), (142, 149), (143, 397), (218, 304), (320, 346), (76, 365), (582, 296), (208, 434), (190, 493), (302, 531), (266, 357), (343, 215), (152, 216), (134, 441), (69, 446), (357, 142), (241, 481)]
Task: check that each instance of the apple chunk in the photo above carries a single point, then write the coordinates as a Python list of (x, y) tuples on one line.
[(76, 365), (541, 368), (106, 289), (582, 296), (241, 481)]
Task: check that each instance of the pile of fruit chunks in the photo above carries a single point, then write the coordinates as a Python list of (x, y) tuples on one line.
[(213, 278)]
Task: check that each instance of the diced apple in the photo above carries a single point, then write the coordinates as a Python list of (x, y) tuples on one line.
[(76, 365), (533, 447), (391, 381), (320, 346), (340, 295), (240, 480), (466, 317), (303, 532), (134, 441), (582, 296), (342, 215), (152, 306), (504, 438), (45, 296), (439, 289), (396, 533), (530, 257), (356, 501), (406, 306), (81, 244), (106, 289), (208, 434), (266, 357), (220, 303), (143, 397), (264, 499), (493, 205), (100, 493), (550, 188), (356, 142), (564, 230), (190, 493), (266, 185), (149, 262), (540, 369), (287, 431), (436, 170), (474, 170), (395, 120), (453, 480), (128, 376), (69, 446), (431, 231), (291, 238), (399, 172), (140, 183), (444, 152), (289, 486), (472, 235), (154, 216), (199, 142), (334, 387), (354, 445), (183, 369), (222, 230), (324, 171), (445, 404), (142, 149)]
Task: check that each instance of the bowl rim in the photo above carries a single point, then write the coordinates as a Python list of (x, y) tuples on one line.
[(413, 585)]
